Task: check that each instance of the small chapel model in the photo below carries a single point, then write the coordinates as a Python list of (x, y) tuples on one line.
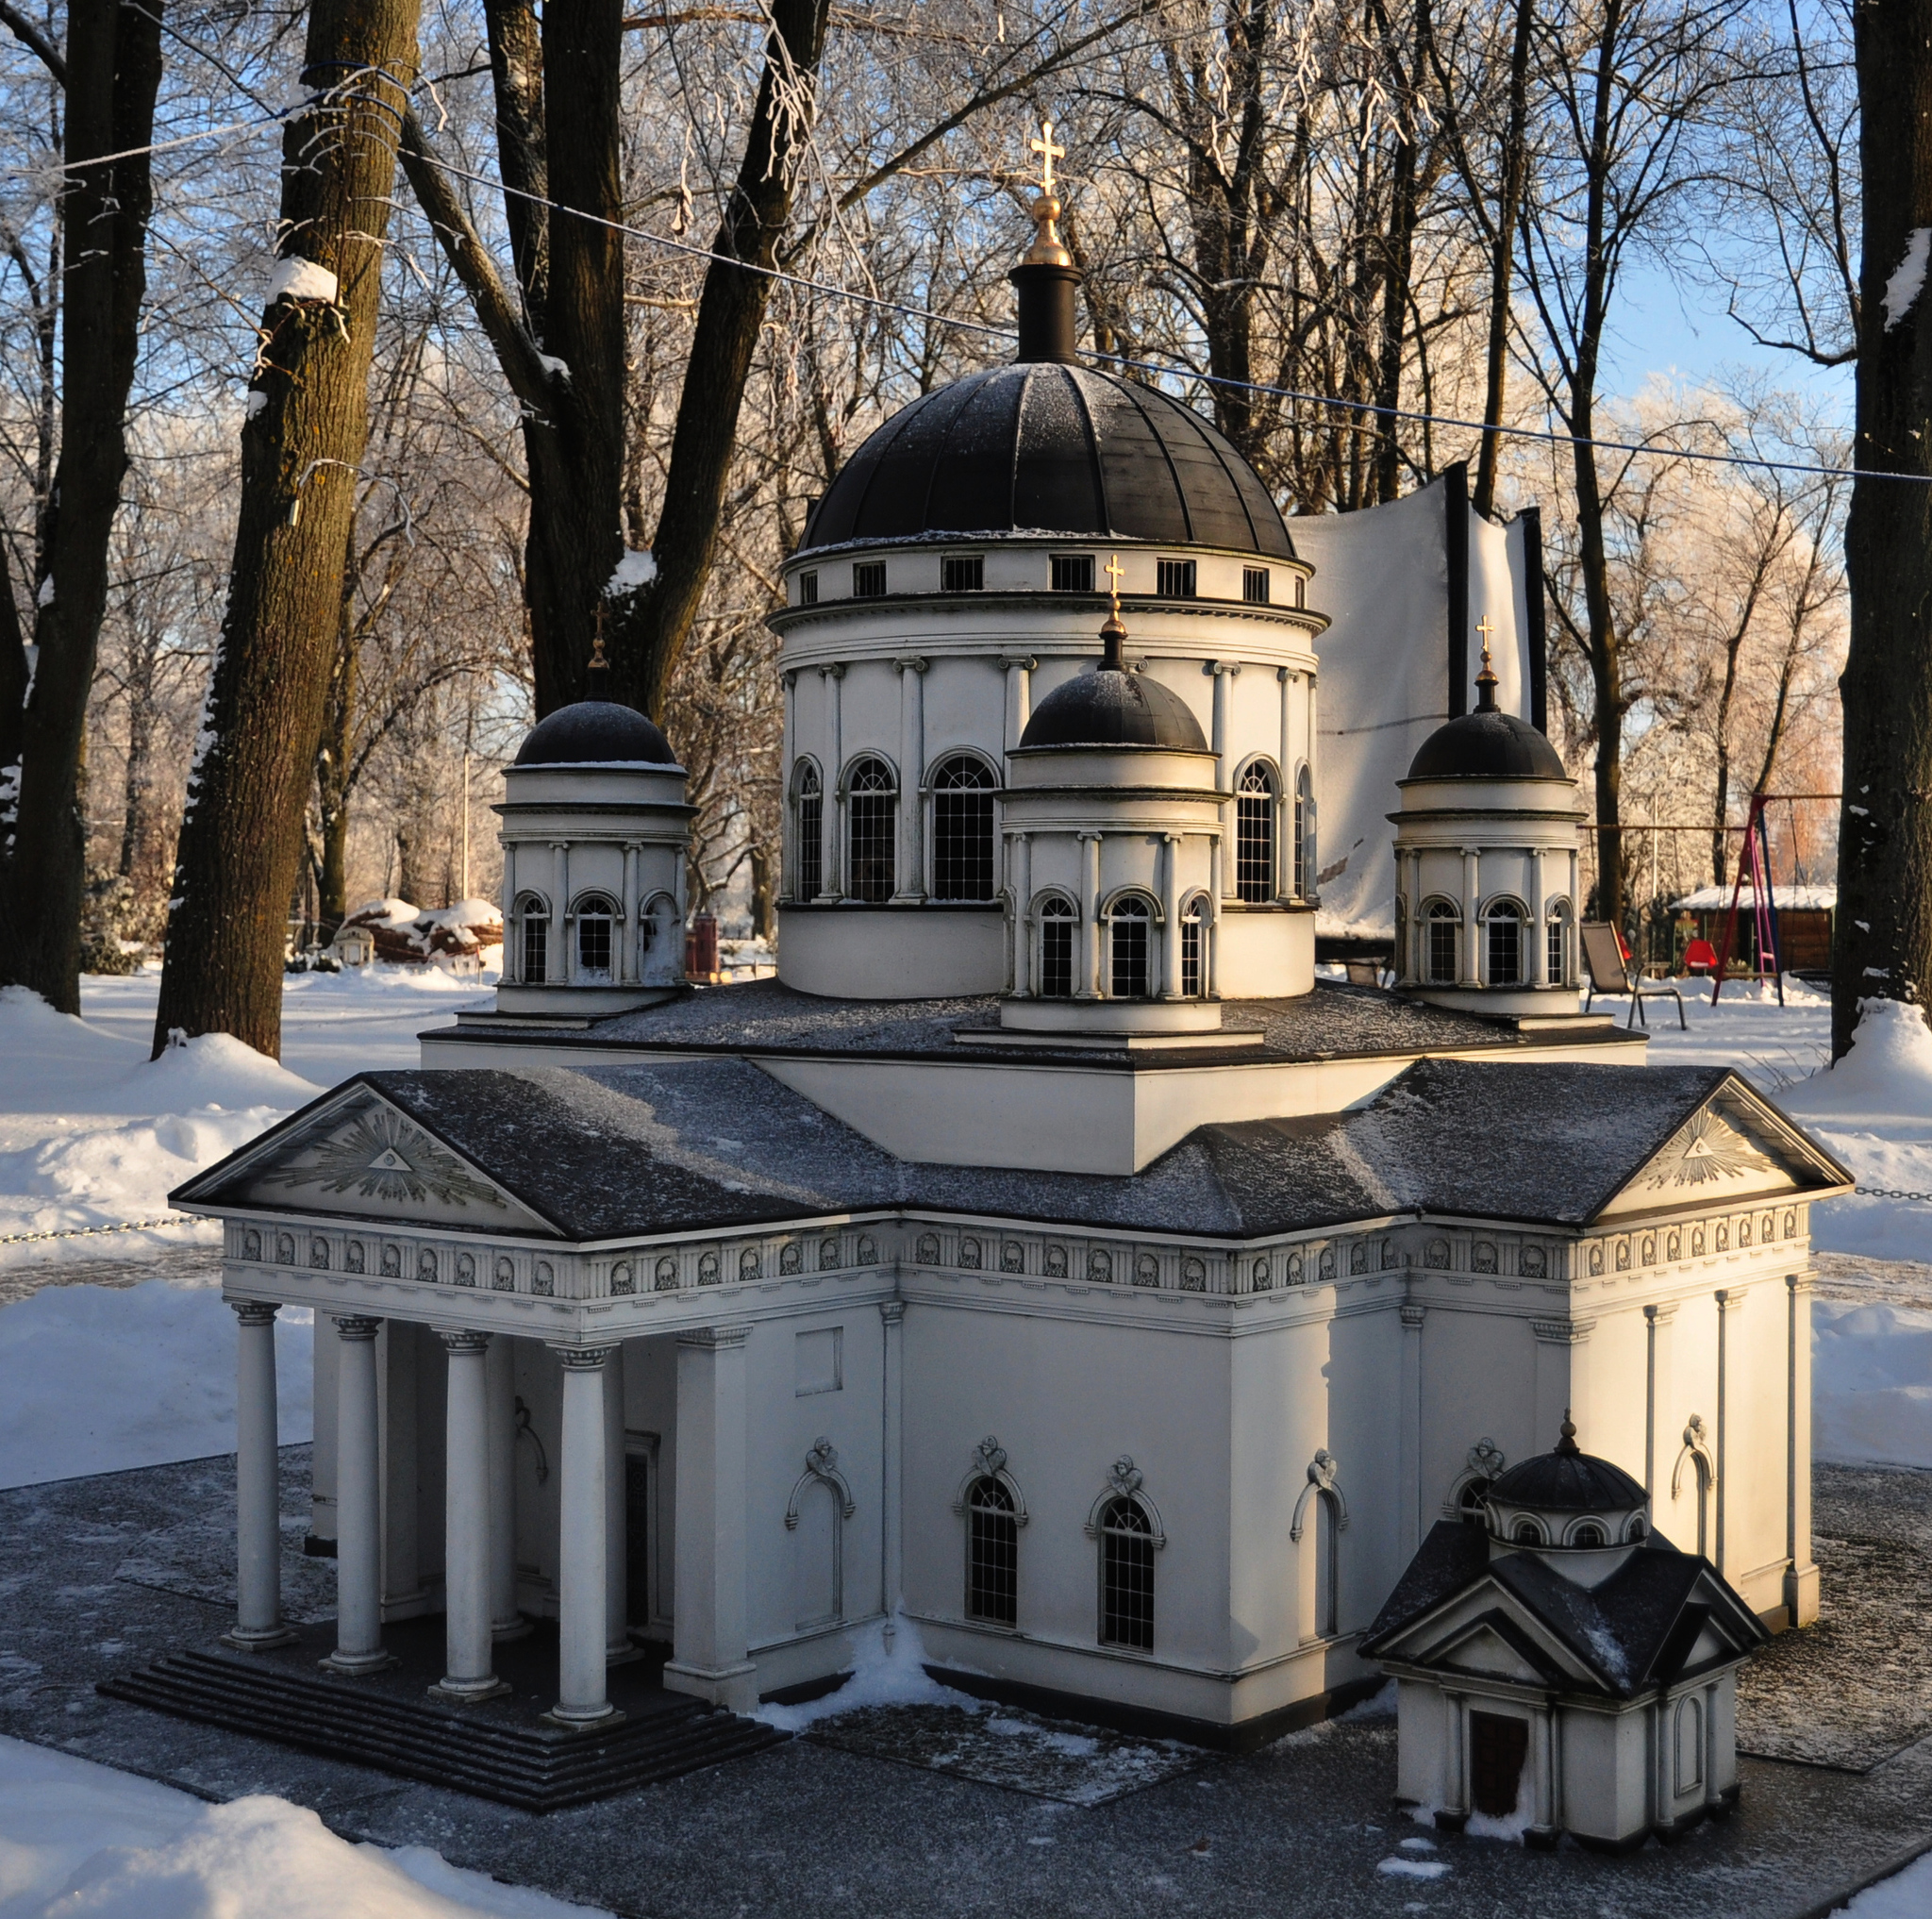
[(1562, 1666), (1045, 1257)]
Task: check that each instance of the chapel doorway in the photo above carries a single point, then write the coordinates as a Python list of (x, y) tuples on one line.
[(637, 1541), (1498, 1747)]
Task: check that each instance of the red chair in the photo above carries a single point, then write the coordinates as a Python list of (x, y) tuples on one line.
[(1700, 957)]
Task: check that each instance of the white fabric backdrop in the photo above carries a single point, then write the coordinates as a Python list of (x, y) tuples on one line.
[(1383, 577)]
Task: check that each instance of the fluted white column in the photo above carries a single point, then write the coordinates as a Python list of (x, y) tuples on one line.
[(911, 870), (580, 1577), (832, 807), (617, 1646), (499, 1369), (468, 1672), (359, 1503), (1171, 910), (1801, 1573), (1019, 668), (892, 1313), (1089, 987), (1472, 918), (258, 1492), (1020, 886)]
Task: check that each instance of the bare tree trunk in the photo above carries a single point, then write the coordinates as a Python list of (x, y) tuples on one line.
[(1883, 945), (1515, 157), (113, 68), (241, 837), (656, 621), (1398, 246), (335, 773), (1605, 642), (137, 786)]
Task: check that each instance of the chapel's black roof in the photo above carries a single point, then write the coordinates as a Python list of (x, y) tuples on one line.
[(676, 1145), (1567, 1480), (1046, 448), (596, 732), (1111, 706), (1487, 744), (1634, 1629)]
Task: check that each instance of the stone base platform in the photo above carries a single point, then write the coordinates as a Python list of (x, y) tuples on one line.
[(497, 1749)]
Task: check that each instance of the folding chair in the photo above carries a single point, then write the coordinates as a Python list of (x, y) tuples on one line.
[(1611, 973)]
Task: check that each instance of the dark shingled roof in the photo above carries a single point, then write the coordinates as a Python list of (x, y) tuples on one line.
[(767, 1016), (1110, 707), (1045, 447), (596, 732), (1487, 744), (683, 1145), (1627, 1631)]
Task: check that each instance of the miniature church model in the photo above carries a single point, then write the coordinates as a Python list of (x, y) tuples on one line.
[(1561, 1666), (1046, 1259)]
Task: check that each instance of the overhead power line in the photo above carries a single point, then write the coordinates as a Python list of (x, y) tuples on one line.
[(1160, 369)]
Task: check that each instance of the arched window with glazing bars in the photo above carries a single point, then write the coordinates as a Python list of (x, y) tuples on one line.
[(1254, 846), (871, 831), (962, 829)]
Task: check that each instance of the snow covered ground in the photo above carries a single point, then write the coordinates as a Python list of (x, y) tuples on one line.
[(94, 1379), (85, 1842)]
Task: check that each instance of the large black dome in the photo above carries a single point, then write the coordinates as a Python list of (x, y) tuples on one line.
[(1487, 744), (596, 732), (1110, 707), (1044, 446), (1568, 1481)]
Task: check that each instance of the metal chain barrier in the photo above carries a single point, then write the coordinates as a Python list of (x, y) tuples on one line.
[(127, 1226), (1891, 1193)]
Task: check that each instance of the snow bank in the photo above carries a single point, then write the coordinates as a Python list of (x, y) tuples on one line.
[(101, 1380), (1871, 1384), (81, 1840), (197, 1102), (1887, 1075), (879, 1677), (1905, 1895)]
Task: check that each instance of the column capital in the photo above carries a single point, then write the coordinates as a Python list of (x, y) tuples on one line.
[(836, 670), (583, 1359), (1026, 663), (910, 662), (790, 677), (1219, 667), (464, 1339), (1285, 674), (1728, 1298), (1800, 1282), (1661, 1315), (1090, 833), (715, 1337), (1412, 1315), (254, 1311), (357, 1325), (891, 1311)]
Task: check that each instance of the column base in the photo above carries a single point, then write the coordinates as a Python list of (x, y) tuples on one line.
[(733, 1687), (1801, 1594), (572, 1721), (468, 1692), (354, 1665), (260, 1640), (517, 1628), (622, 1654)]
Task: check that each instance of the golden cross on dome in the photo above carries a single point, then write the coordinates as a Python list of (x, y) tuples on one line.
[(1048, 153), (1113, 570), (1484, 627)]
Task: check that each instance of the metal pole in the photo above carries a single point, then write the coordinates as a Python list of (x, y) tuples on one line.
[(465, 890)]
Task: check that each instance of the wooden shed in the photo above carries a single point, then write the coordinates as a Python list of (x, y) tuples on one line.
[(1805, 916)]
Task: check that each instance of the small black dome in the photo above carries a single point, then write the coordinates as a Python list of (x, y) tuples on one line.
[(596, 732), (1568, 1481), (1110, 707), (1045, 447), (1487, 744)]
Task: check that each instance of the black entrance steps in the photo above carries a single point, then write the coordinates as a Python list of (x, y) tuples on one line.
[(499, 1751)]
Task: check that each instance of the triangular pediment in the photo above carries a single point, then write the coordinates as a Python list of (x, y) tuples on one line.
[(356, 1154), (1486, 1651), (1736, 1146), (1486, 1629)]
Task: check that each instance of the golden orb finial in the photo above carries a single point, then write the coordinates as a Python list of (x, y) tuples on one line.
[(1047, 248)]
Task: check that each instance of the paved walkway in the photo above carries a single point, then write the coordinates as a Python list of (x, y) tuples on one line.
[(98, 1575)]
